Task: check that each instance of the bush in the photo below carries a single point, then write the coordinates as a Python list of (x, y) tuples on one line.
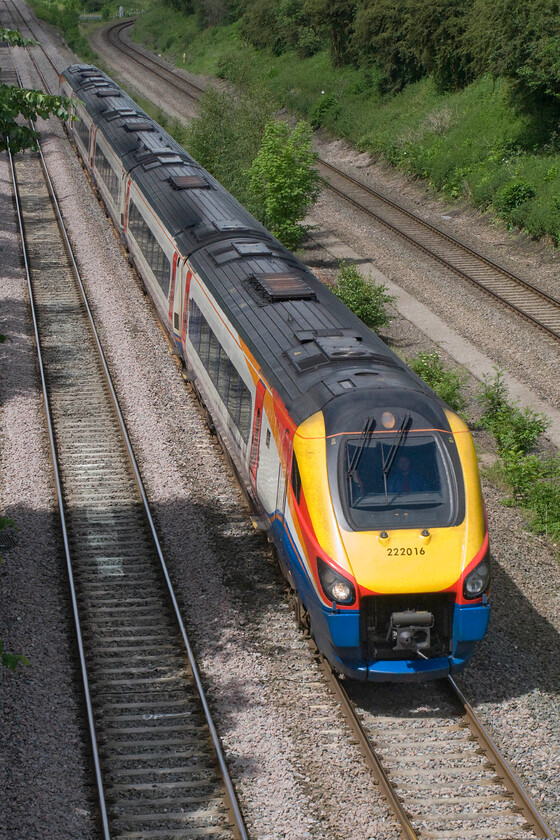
[(283, 179), (515, 430), (322, 106), (225, 139), (512, 196), (446, 383), (366, 299)]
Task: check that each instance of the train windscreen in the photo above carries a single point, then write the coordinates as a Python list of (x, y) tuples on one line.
[(389, 482)]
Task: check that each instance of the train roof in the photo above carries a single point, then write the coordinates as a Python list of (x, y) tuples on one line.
[(310, 346)]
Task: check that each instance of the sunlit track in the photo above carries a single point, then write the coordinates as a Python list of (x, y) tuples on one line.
[(113, 36), (526, 300), (425, 823), (159, 766), (436, 765), (519, 295)]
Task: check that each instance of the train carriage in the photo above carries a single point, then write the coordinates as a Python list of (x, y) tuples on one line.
[(368, 483)]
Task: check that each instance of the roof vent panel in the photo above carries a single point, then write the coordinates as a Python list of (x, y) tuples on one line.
[(252, 249), (282, 286), (138, 125), (188, 182)]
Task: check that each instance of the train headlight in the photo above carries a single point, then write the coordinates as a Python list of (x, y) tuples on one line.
[(336, 587), (477, 581)]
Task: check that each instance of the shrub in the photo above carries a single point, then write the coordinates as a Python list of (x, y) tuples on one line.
[(366, 299), (535, 483), (226, 137), (512, 196), (446, 383), (515, 430), (283, 179), (323, 105)]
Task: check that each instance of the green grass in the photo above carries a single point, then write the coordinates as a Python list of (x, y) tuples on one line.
[(469, 144)]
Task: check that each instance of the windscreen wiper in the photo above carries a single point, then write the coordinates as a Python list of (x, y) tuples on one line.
[(357, 454), (390, 457)]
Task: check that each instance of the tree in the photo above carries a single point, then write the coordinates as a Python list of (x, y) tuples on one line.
[(18, 102), (284, 180), (381, 38), (435, 30), (520, 41), (335, 18)]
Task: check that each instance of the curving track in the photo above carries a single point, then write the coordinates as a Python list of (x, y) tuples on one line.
[(145, 699), (519, 295)]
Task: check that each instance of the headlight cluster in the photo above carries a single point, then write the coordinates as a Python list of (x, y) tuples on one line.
[(477, 581), (336, 587)]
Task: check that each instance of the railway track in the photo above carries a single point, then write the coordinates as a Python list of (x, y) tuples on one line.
[(158, 762), (140, 721), (518, 294), (438, 768)]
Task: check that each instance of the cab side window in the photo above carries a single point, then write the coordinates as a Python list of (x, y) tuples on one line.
[(295, 479)]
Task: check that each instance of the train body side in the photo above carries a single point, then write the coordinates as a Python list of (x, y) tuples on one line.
[(295, 385)]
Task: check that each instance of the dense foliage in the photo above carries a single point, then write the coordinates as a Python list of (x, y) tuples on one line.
[(18, 102), (446, 383), (283, 179), (532, 477), (451, 40)]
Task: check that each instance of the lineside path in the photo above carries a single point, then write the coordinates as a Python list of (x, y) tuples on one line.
[(464, 352)]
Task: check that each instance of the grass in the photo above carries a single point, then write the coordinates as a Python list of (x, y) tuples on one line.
[(471, 144)]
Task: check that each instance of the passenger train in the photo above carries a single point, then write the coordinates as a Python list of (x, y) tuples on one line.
[(367, 482)]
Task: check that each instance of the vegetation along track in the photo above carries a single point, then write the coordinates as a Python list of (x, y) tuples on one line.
[(158, 762), (447, 784), (541, 309), (437, 766)]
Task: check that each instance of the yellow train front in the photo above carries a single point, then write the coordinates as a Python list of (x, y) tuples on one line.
[(388, 547)]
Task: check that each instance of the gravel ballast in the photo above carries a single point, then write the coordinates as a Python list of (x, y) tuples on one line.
[(289, 751)]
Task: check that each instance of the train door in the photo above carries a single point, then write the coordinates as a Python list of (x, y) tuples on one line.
[(175, 297), (282, 486), (256, 436)]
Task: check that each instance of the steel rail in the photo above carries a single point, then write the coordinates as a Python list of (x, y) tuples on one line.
[(228, 785), (56, 472), (367, 748), (465, 275), (112, 35), (503, 767)]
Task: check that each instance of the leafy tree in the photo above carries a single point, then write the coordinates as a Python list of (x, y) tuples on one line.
[(283, 179), (435, 31), (226, 137), (381, 38), (19, 102), (335, 19), (259, 25), (521, 41)]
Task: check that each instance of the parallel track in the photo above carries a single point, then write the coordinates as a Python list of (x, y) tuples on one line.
[(438, 768), (158, 762), (453, 784), (519, 295)]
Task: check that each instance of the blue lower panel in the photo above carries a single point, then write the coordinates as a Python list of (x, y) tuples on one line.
[(338, 637), (470, 622)]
